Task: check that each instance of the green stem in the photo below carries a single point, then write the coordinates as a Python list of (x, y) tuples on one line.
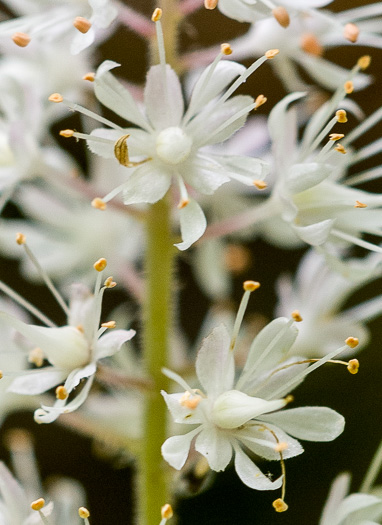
[(157, 322)]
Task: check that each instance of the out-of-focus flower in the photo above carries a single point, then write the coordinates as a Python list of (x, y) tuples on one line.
[(72, 350), (319, 293)]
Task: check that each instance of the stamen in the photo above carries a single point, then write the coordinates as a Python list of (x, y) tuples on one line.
[(184, 199), (99, 204), (38, 504), (310, 44), (352, 342), (260, 184), (166, 511), (249, 287), (121, 152), (36, 357), (336, 136), (359, 204), (349, 87), (189, 400), (226, 49), (82, 24), (157, 15), (271, 53), (83, 513), (21, 240), (1, 374), (109, 283), (56, 97), (109, 324), (281, 15), (296, 316), (260, 100), (341, 116), (89, 76), (67, 133), (237, 258), (353, 366), (364, 62), (210, 4), (340, 149), (279, 505), (351, 32), (61, 393), (21, 39), (100, 265)]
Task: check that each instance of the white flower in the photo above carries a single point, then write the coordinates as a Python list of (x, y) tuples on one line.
[(89, 18), (229, 414), (72, 350), (253, 10), (168, 144), (320, 292)]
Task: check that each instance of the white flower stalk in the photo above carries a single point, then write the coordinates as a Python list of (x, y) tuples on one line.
[(78, 22), (73, 350), (311, 201), (168, 145), (319, 293), (232, 416), (254, 10)]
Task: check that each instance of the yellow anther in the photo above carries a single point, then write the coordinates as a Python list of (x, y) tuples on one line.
[(80, 328), (21, 39), (271, 53), (1, 374), (280, 447), (279, 505), (67, 133), (336, 136), (359, 204), (281, 15), (349, 87), (20, 238), (99, 204), (157, 14), (260, 100), (251, 286), (201, 467), (226, 49), (310, 44), (341, 116), (351, 32), (289, 399), (100, 265), (38, 504), (36, 357), (237, 258), (182, 204), (190, 401), (260, 184), (109, 324), (56, 97), (210, 4), (296, 316), (121, 151), (353, 366), (352, 342), (166, 511), (82, 24), (109, 283), (89, 76), (61, 393), (83, 512), (364, 62), (339, 147)]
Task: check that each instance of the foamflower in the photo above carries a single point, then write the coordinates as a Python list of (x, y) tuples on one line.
[(168, 144), (72, 351), (237, 417)]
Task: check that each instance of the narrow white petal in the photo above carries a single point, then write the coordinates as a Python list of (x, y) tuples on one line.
[(179, 412), (176, 448), (111, 342), (215, 447), (192, 224), (315, 234), (163, 97), (37, 381), (251, 475), (147, 183)]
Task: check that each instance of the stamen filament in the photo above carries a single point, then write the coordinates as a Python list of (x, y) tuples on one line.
[(372, 472), (80, 109), (235, 117), (241, 312), (364, 176), (355, 240), (184, 198)]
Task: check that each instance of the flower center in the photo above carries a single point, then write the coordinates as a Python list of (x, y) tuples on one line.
[(173, 145)]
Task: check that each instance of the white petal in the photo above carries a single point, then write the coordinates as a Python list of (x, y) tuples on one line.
[(176, 448), (115, 96), (163, 97), (204, 175), (147, 183), (215, 447), (302, 177), (315, 234), (338, 491), (358, 507), (214, 363), (103, 149), (224, 73), (75, 376), (251, 475), (309, 423), (192, 224), (278, 117), (111, 342), (37, 381), (179, 412)]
